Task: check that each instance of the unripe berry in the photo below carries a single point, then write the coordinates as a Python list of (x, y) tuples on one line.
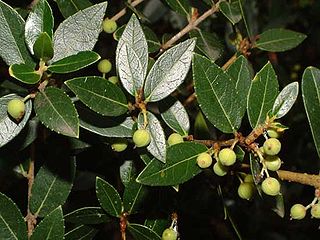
[(109, 26), (204, 160), (273, 133), (246, 190), (273, 163), (169, 234), (16, 108), (227, 157), (141, 137), (104, 66), (248, 178), (297, 211), (119, 145), (315, 210), (272, 146), (219, 169), (270, 186), (175, 138), (114, 79)]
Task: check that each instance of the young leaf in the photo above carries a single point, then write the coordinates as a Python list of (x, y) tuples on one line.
[(40, 20), (78, 32), (70, 7), (50, 180), (108, 197), (13, 49), (231, 10), (12, 224), (51, 227), (262, 94), (142, 232), (175, 115), (132, 56), (100, 95), (87, 215), (24, 73), (279, 40), (311, 100), (10, 128), (180, 166), (157, 146), (81, 232), (285, 100), (74, 62), (169, 71), (134, 196), (182, 7), (57, 112), (42, 47)]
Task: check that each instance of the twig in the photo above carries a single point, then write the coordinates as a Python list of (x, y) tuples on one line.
[(124, 10)]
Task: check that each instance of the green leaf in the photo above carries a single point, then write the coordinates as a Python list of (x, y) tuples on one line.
[(81, 232), (74, 62), (141, 232), (134, 196), (127, 172), (285, 100), (255, 168), (175, 115), (108, 197), (51, 227), (222, 95), (8, 127), (279, 40), (13, 49), (208, 43), (169, 71), (24, 73), (245, 18), (70, 7), (87, 215), (182, 7), (39, 21), (311, 100), (279, 206), (132, 56), (157, 225), (231, 10), (100, 95), (181, 166), (157, 146), (57, 112), (12, 224), (78, 32), (52, 187), (42, 47), (262, 94)]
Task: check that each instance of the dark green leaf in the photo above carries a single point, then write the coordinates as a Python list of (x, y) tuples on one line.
[(285, 100), (12, 224), (157, 146), (52, 186), (13, 49), (262, 94), (42, 47), (245, 18), (182, 7), (279, 206), (231, 10), (74, 62), (134, 196), (8, 127), (70, 7), (57, 112), (141, 232), (109, 198), (311, 100), (157, 225), (81, 232), (127, 172), (24, 73), (40, 20), (180, 166), (51, 227), (255, 168), (87, 215), (79, 32), (169, 71), (100, 95), (279, 40), (132, 56)]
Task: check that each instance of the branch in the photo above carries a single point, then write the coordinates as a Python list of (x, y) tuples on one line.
[(303, 178), (124, 10)]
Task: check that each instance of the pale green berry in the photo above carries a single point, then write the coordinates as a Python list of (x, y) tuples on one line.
[(175, 138), (169, 234), (273, 133), (248, 178), (246, 190), (273, 163), (16, 108), (141, 137), (109, 26), (219, 169), (119, 145), (204, 160), (297, 211), (272, 146), (270, 186), (104, 66), (315, 211), (227, 157), (114, 79)]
